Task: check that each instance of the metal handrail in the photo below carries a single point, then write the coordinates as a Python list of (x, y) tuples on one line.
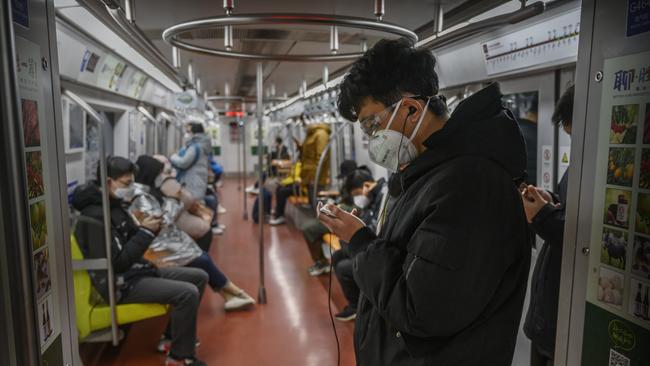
[(172, 34), (108, 239), (322, 158)]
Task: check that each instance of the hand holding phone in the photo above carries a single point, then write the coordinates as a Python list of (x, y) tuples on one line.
[(323, 209)]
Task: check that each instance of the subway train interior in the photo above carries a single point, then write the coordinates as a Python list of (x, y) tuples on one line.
[(377, 182)]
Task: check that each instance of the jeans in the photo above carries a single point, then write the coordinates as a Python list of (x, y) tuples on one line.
[(205, 241), (342, 264), (212, 202), (216, 278), (181, 288)]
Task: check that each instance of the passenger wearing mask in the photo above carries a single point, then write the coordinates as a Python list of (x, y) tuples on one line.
[(545, 212), (444, 281), (367, 202), (313, 230), (279, 152), (137, 281), (192, 161), (150, 177)]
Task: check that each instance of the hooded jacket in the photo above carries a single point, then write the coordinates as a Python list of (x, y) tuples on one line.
[(541, 320), (315, 142), (192, 163), (445, 280), (129, 240)]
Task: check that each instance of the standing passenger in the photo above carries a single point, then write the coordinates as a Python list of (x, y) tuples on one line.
[(444, 281), (545, 212), (192, 161)]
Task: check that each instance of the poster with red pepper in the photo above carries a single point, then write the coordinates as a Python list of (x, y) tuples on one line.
[(34, 165), (646, 125), (625, 119)]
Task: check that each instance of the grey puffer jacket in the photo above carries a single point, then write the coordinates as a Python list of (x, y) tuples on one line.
[(192, 163)]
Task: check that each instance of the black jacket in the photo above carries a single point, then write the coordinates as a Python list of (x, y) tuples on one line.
[(541, 320), (129, 241), (444, 283)]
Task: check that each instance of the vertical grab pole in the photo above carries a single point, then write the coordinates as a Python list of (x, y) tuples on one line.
[(245, 172), (106, 212), (260, 175)]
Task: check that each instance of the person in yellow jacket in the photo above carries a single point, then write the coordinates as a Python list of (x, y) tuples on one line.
[(311, 150)]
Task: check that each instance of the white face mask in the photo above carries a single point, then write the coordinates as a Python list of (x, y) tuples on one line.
[(125, 193), (187, 136), (385, 146), (361, 201)]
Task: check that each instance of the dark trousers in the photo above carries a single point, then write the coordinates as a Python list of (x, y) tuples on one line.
[(539, 359), (313, 232), (205, 241), (282, 194), (212, 201), (342, 264), (216, 278), (182, 288)]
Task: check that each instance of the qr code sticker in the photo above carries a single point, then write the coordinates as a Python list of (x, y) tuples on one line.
[(617, 359)]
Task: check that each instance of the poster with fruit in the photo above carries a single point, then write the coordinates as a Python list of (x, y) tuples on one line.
[(641, 257), (646, 125), (34, 165), (620, 167), (617, 207), (643, 214), (614, 248), (38, 224), (624, 121), (31, 129)]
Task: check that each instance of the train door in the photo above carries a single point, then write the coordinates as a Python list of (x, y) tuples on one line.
[(35, 274), (603, 311)]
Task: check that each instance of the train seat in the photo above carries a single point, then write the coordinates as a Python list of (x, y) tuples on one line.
[(93, 317)]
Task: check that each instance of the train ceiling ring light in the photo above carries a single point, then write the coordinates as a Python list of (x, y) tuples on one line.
[(172, 35)]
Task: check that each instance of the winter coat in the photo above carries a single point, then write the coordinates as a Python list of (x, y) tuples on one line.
[(129, 241), (444, 282), (541, 320), (192, 163), (315, 142)]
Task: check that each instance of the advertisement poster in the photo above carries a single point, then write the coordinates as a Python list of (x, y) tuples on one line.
[(547, 167), (617, 324), (34, 127)]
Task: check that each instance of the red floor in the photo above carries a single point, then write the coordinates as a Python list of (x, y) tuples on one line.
[(293, 328)]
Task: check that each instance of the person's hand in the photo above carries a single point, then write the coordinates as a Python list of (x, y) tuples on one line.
[(344, 224), (533, 202), (151, 223), (544, 194)]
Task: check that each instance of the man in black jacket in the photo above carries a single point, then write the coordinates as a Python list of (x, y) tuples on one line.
[(444, 281), (545, 212), (137, 281)]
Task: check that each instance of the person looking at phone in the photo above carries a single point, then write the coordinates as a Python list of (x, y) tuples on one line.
[(545, 211), (137, 280), (444, 281)]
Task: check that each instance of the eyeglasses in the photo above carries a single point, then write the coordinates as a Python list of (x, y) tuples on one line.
[(370, 124)]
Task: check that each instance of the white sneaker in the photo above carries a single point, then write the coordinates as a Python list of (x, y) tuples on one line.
[(217, 230), (239, 302), (278, 221), (221, 209), (318, 269), (252, 190), (221, 226)]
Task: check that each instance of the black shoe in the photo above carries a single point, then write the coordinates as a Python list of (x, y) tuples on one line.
[(193, 361), (347, 314)]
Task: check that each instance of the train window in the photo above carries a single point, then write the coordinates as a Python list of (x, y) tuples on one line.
[(524, 106)]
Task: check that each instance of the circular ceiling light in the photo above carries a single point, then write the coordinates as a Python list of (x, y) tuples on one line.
[(172, 35)]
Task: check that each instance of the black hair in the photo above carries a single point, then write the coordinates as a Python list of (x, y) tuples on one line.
[(117, 166), (356, 179), (278, 140), (148, 170), (197, 128), (563, 113), (384, 72)]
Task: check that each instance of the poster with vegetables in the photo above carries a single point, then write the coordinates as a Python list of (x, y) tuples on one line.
[(643, 214), (625, 119), (34, 165), (644, 175), (617, 207), (38, 224), (614, 249), (31, 129), (641, 257), (646, 125), (620, 168)]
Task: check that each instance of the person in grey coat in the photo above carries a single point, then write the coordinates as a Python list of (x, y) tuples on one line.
[(192, 161)]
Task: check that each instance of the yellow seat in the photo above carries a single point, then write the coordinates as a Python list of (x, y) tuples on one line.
[(333, 241), (92, 317)]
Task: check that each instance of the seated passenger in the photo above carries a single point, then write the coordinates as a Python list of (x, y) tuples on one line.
[(137, 281), (313, 230), (149, 175), (367, 202)]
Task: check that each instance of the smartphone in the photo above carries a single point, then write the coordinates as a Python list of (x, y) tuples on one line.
[(326, 211)]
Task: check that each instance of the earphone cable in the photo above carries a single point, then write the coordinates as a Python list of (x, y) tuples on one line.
[(329, 305)]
